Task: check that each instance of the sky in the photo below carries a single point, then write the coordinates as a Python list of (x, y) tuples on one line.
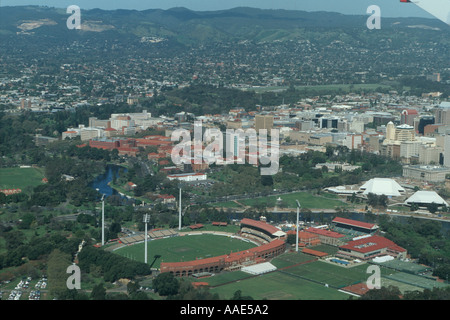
[(389, 8)]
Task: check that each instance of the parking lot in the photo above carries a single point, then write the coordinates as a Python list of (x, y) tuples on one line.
[(23, 289)]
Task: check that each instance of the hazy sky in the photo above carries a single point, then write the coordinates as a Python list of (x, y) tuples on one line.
[(389, 8)]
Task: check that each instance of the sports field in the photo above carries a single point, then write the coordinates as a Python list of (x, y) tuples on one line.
[(298, 276), (330, 274), (184, 248), (20, 178), (279, 286), (306, 199)]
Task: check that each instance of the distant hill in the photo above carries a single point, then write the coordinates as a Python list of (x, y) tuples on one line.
[(193, 27)]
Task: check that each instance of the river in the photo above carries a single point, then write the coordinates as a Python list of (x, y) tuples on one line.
[(102, 184), (102, 181)]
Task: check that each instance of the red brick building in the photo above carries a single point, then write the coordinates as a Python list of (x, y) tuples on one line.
[(124, 146), (327, 236), (370, 247), (232, 261)]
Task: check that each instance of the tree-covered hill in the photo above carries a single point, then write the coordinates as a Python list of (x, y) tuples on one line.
[(187, 26)]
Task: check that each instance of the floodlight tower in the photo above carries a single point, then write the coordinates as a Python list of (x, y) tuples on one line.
[(103, 220), (179, 212), (146, 220), (296, 234)]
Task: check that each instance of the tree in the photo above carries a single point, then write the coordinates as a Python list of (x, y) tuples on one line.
[(384, 293), (291, 238), (267, 180), (414, 207), (165, 284), (238, 296), (3, 198), (433, 207), (382, 200), (58, 262), (114, 229), (98, 292), (133, 287)]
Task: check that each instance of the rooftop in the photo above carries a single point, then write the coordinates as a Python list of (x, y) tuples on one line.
[(370, 244), (382, 186), (355, 223), (264, 226), (426, 197)]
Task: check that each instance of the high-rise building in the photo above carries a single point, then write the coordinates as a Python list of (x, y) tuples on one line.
[(442, 114), (447, 149), (424, 121), (404, 132), (407, 116), (429, 154), (390, 131)]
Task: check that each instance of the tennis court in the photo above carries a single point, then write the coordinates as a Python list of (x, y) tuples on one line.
[(415, 280), (405, 266)]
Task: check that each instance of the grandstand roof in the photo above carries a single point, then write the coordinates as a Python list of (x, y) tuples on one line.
[(426, 197), (218, 223), (233, 256), (303, 234), (314, 252), (263, 226), (323, 232), (372, 243), (382, 186), (355, 223)]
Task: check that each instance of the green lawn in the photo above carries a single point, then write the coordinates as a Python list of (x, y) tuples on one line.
[(279, 286), (306, 199), (223, 278), (291, 258), (20, 178), (334, 275), (228, 204), (185, 248)]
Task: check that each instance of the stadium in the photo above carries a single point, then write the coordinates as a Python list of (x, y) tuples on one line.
[(270, 242), (254, 256), (353, 240), (262, 242)]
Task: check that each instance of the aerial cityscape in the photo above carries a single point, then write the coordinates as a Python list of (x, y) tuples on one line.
[(227, 154)]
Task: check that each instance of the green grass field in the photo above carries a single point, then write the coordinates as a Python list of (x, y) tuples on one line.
[(306, 199), (20, 178), (333, 275), (291, 258), (224, 277), (279, 286), (185, 248)]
